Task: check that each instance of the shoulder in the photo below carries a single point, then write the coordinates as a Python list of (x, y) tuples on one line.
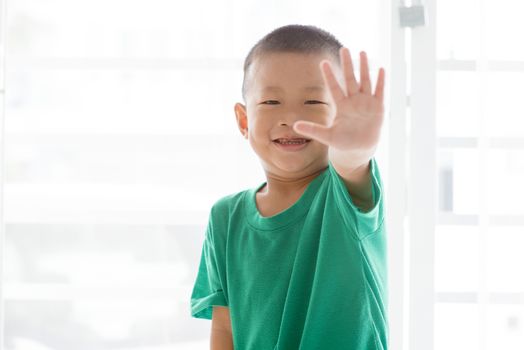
[(224, 211), (228, 204)]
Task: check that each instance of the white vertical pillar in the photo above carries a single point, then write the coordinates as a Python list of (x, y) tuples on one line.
[(3, 26), (422, 197), (396, 195), (483, 148)]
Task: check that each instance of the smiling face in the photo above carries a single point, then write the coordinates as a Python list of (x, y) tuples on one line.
[(282, 89)]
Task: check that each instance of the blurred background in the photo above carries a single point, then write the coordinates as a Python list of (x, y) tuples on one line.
[(118, 135)]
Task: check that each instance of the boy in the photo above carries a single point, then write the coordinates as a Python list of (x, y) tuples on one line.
[(299, 262)]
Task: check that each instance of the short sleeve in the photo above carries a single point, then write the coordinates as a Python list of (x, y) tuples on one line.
[(208, 289), (363, 223)]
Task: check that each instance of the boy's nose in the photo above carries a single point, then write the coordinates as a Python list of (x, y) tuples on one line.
[(289, 118)]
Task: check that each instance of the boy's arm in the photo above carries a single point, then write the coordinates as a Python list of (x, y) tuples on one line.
[(358, 182), (221, 334)]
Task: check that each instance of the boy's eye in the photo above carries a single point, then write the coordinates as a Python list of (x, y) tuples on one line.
[(266, 102), (273, 102)]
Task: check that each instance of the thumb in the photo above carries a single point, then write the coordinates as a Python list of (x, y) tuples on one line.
[(315, 131)]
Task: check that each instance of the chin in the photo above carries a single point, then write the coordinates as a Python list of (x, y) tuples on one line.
[(293, 166)]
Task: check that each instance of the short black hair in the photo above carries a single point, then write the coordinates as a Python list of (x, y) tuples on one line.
[(307, 39)]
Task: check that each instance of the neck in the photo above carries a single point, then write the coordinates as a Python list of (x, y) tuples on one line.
[(283, 186)]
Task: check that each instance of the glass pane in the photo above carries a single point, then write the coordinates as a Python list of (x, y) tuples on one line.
[(138, 172), (120, 101), (505, 259), (505, 189), (458, 28), (505, 327), (133, 257), (102, 324), (456, 326), (457, 107), (103, 255), (456, 258), (503, 21), (458, 181), (95, 188), (122, 28), (166, 29), (502, 103)]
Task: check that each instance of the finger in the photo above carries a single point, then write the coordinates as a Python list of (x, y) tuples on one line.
[(331, 81), (315, 131), (347, 67), (365, 82), (379, 90)]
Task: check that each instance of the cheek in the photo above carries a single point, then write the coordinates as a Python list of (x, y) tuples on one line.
[(261, 121), (320, 115), (259, 128)]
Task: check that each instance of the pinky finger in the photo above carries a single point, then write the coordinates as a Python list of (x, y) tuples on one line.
[(379, 90)]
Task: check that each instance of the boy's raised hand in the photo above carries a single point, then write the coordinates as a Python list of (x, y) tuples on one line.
[(355, 130)]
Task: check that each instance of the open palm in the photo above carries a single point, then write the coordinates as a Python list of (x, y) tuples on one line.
[(359, 112)]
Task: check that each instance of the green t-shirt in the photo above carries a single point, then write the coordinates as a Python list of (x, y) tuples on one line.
[(313, 276)]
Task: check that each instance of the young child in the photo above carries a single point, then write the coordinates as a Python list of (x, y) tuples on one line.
[(299, 261)]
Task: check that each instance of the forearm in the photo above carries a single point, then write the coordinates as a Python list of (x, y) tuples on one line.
[(360, 188), (221, 340), (355, 171)]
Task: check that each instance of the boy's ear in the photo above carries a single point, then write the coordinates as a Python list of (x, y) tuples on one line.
[(241, 115)]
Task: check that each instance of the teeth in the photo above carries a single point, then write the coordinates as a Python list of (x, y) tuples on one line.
[(297, 142)]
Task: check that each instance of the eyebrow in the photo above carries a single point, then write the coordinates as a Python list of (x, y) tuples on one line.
[(312, 88)]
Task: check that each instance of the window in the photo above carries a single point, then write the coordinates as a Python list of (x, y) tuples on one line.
[(472, 144)]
